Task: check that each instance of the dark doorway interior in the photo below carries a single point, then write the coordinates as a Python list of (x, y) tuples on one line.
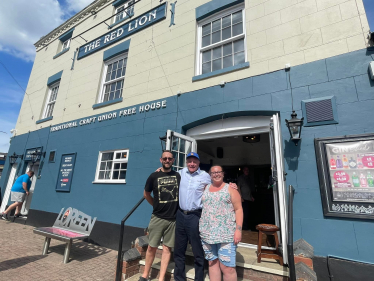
[(232, 153)]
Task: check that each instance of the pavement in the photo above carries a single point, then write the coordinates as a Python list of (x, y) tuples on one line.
[(21, 257)]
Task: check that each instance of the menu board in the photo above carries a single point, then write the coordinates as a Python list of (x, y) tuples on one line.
[(65, 173), (351, 169), (345, 167)]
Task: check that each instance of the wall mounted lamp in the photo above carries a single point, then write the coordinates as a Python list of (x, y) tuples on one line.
[(294, 126), (13, 158)]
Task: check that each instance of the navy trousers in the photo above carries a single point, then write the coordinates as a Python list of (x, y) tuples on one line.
[(187, 230)]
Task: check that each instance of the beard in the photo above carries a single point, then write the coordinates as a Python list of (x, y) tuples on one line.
[(166, 166)]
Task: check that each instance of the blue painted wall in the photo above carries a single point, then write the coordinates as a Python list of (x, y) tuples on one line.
[(345, 76)]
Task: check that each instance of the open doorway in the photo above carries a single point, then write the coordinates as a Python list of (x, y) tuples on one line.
[(233, 154), (26, 205)]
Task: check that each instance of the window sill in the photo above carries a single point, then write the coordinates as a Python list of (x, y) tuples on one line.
[(120, 21), (106, 103), (111, 182), (62, 52), (44, 120), (220, 72)]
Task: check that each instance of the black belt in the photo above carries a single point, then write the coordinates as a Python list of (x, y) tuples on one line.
[(190, 212)]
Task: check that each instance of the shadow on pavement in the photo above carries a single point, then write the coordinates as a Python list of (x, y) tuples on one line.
[(80, 251), (18, 262)]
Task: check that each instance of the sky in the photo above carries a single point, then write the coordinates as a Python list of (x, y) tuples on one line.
[(27, 21)]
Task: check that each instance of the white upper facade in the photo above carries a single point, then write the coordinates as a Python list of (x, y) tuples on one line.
[(162, 59)]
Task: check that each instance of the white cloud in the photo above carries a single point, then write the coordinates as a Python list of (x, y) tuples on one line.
[(5, 134), (24, 22), (76, 6)]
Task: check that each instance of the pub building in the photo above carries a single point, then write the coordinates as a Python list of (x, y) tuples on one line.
[(283, 87)]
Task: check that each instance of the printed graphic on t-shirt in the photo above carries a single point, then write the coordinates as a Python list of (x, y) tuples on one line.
[(167, 189)]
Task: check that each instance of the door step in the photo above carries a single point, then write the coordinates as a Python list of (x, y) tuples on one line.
[(247, 268)]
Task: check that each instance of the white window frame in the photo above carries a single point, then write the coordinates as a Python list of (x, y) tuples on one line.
[(103, 83), (125, 5), (67, 42), (219, 15), (47, 102), (97, 180)]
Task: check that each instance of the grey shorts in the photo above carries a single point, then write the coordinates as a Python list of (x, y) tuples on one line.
[(17, 196)]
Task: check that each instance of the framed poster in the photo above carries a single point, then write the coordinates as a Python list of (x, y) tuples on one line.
[(65, 173), (346, 175)]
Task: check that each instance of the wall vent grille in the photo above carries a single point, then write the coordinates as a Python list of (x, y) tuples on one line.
[(318, 111)]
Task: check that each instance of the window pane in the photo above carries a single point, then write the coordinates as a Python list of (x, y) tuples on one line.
[(217, 52), (182, 145), (118, 155), (111, 96), (239, 46), (102, 165), (227, 49), (227, 61), (113, 75), (237, 17), (120, 63), (188, 147), (206, 41), (175, 145), (182, 160), (117, 166), (226, 21), (226, 33), (206, 29), (175, 156), (115, 66), (122, 175), (117, 94), (206, 68), (109, 68), (124, 166), (115, 175), (101, 175), (107, 77), (239, 58), (216, 25), (216, 37), (109, 165), (217, 64), (207, 56), (107, 156), (107, 175), (119, 72), (237, 29), (124, 155)]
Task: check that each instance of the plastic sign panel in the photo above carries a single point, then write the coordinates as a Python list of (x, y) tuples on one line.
[(31, 151), (141, 22), (346, 175), (65, 173)]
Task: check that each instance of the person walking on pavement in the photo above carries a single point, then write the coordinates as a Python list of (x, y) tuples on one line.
[(18, 194), (165, 188)]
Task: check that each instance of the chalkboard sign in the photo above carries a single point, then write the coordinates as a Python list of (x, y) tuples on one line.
[(65, 173)]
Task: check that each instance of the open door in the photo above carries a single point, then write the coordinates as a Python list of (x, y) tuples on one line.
[(26, 205), (279, 182), (180, 145), (9, 185)]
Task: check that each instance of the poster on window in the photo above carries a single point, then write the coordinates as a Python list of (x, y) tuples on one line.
[(346, 175)]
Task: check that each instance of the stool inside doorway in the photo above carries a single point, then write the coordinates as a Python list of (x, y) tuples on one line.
[(268, 229)]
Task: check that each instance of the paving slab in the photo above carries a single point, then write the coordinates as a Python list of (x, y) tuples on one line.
[(21, 257)]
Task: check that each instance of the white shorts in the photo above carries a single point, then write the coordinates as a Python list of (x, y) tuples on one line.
[(17, 196)]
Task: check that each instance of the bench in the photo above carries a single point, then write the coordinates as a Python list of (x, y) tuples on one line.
[(69, 225)]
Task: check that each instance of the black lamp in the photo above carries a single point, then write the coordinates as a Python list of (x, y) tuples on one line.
[(13, 158), (294, 126)]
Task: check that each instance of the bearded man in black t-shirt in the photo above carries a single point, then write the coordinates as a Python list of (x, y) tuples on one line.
[(165, 202)]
